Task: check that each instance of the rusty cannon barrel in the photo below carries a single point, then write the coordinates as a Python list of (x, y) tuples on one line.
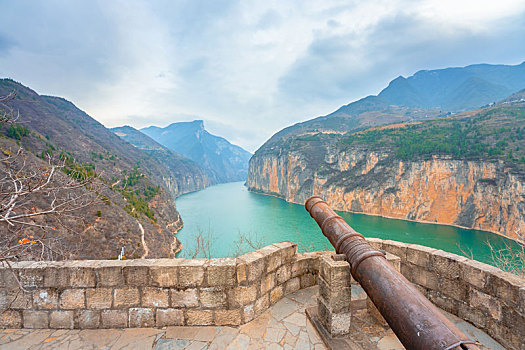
[(414, 319)]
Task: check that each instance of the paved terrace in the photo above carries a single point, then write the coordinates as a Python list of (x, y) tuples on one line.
[(282, 326)]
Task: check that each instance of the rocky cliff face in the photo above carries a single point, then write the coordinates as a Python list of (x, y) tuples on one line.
[(473, 194)]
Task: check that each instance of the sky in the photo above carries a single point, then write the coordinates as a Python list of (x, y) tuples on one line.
[(247, 68)]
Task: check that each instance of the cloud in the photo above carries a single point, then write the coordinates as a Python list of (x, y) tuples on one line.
[(247, 69)]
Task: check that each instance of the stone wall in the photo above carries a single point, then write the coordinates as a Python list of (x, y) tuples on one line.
[(483, 295), (152, 292), (164, 292)]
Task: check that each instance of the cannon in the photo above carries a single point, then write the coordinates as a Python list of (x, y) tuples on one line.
[(417, 323)]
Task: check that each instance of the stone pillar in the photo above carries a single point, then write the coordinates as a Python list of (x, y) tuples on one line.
[(334, 308), (372, 309)]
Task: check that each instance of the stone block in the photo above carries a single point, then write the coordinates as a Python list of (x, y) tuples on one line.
[(441, 301), (60, 319), (114, 318), (262, 304), (15, 299), (314, 261), (184, 298), (272, 255), (300, 265), (141, 317), (221, 272), (164, 276), (288, 250), (248, 313), (308, 280), (169, 317), (98, 298), (267, 283), (335, 273), (110, 276), (337, 300), (420, 275), (32, 278), (10, 319), (56, 277), (228, 317), (251, 267), (213, 298), (35, 319), (506, 286), (243, 295), (283, 273), (446, 264), (471, 314), (45, 299), (336, 324), (87, 319), (191, 273), (398, 249), (82, 277), (199, 317), (419, 255), (126, 297), (512, 319), (455, 289), (241, 272), (473, 272), (489, 305), (71, 299), (7, 277), (155, 297), (292, 285), (276, 294), (136, 275), (503, 335), (394, 260)]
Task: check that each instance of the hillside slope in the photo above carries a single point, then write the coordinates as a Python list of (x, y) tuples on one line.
[(225, 161), (188, 175), (139, 213)]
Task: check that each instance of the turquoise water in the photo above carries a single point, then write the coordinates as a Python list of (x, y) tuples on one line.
[(221, 212)]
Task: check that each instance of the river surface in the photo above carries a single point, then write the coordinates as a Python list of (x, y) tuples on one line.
[(221, 213)]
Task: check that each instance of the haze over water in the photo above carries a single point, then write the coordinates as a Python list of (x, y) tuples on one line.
[(227, 209)]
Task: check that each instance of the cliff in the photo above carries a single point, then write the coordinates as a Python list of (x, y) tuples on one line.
[(447, 171)]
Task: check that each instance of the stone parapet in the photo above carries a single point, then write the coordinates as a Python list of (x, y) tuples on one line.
[(487, 297), (152, 292), (164, 292)]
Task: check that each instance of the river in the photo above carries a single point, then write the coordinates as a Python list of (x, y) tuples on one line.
[(223, 211)]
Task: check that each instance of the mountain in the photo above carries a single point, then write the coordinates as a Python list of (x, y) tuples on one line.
[(225, 161), (456, 89), (426, 94), (135, 192), (189, 175)]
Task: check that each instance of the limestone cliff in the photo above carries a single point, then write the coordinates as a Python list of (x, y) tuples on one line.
[(467, 171), (472, 194)]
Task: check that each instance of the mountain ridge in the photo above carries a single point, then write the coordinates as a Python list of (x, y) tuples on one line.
[(227, 162)]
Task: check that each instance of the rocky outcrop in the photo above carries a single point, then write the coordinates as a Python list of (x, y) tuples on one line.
[(473, 194)]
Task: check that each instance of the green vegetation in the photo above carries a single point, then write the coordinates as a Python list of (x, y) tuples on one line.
[(17, 131), (495, 133)]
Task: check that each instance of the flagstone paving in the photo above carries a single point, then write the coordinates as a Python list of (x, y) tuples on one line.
[(283, 326)]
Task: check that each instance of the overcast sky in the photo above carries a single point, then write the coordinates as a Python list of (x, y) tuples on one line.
[(248, 68)]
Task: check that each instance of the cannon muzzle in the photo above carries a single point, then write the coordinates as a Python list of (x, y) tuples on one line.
[(414, 319)]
